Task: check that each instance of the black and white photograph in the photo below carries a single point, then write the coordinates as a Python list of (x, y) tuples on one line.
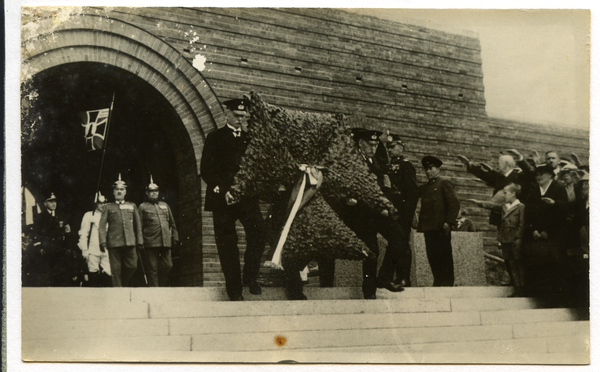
[(304, 185)]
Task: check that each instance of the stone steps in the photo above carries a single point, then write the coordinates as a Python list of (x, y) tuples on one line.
[(454, 324)]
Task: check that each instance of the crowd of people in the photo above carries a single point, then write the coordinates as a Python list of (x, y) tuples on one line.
[(112, 239), (540, 208)]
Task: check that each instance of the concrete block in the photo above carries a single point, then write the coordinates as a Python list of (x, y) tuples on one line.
[(33, 297), (274, 323), (528, 316), (368, 337), (59, 329), (467, 253), (553, 329), (572, 344), (467, 292), (76, 309), (491, 304)]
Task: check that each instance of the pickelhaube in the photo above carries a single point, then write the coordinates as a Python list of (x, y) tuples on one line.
[(119, 182), (152, 186)]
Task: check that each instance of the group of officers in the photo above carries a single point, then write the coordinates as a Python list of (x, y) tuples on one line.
[(112, 238), (440, 207)]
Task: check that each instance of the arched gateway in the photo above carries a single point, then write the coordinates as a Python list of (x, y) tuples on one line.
[(163, 110)]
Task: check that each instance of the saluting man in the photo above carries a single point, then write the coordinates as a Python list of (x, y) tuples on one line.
[(221, 158), (160, 236), (120, 231), (439, 209)]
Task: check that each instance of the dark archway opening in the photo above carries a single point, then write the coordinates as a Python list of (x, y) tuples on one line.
[(142, 139)]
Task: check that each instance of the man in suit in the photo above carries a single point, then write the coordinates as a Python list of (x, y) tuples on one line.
[(50, 245), (221, 158), (404, 194), (545, 215), (120, 231), (439, 209), (160, 236), (366, 224)]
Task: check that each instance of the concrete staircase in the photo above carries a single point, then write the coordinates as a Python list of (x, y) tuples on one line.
[(419, 325)]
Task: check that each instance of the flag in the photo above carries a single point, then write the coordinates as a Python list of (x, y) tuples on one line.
[(95, 123)]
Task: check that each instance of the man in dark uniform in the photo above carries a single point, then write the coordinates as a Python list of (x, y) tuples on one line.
[(439, 209), (404, 194), (221, 157), (366, 224), (120, 231), (160, 236), (50, 246)]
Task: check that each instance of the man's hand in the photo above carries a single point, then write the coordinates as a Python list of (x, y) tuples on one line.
[(575, 159), (85, 253), (446, 228), (535, 156), (42, 252), (515, 154), (351, 201), (103, 247), (140, 247), (464, 160), (544, 235), (536, 235), (385, 213), (230, 199), (174, 245), (548, 200), (216, 190)]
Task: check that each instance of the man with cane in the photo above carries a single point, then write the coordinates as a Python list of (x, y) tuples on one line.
[(120, 231)]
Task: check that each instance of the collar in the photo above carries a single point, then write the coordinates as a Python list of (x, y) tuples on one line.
[(120, 201), (516, 202), (234, 128), (52, 213), (543, 190), (508, 173)]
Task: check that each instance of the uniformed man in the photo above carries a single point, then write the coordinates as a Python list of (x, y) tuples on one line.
[(439, 209), (366, 224), (404, 194), (50, 245), (160, 236), (221, 158), (98, 263), (120, 231)]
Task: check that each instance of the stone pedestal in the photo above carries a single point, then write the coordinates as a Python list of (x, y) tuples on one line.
[(467, 251)]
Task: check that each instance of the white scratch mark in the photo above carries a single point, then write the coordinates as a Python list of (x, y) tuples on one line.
[(199, 61)]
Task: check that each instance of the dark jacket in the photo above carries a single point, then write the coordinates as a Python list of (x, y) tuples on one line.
[(50, 232), (498, 181), (220, 163), (404, 193), (158, 224), (124, 227), (544, 217), (512, 225), (439, 204)]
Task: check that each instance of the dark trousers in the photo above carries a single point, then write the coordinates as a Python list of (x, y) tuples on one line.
[(158, 265), (227, 244), (439, 253), (123, 262), (403, 267)]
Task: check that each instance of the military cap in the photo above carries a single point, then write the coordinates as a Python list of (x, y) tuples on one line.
[(235, 104), (545, 168), (391, 138), (429, 161), (365, 134), (118, 182), (51, 197), (152, 186)]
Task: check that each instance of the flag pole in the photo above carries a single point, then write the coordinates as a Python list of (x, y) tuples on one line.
[(105, 143)]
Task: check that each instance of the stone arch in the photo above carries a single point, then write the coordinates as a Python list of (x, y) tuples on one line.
[(95, 39)]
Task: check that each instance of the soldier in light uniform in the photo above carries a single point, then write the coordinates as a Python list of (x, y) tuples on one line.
[(98, 263), (160, 236), (120, 231)]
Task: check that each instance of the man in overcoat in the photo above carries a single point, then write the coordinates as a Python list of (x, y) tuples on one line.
[(120, 231), (439, 209), (221, 158), (160, 236)]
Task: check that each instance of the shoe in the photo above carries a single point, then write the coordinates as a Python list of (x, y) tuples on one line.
[(254, 288), (371, 297), (391, 287), (239, 298)]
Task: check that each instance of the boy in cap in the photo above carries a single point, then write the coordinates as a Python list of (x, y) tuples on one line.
[(98, 264), (51, 232), (404, 194), (439, 209), (120, 231), (160, 236), (221, 158)]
